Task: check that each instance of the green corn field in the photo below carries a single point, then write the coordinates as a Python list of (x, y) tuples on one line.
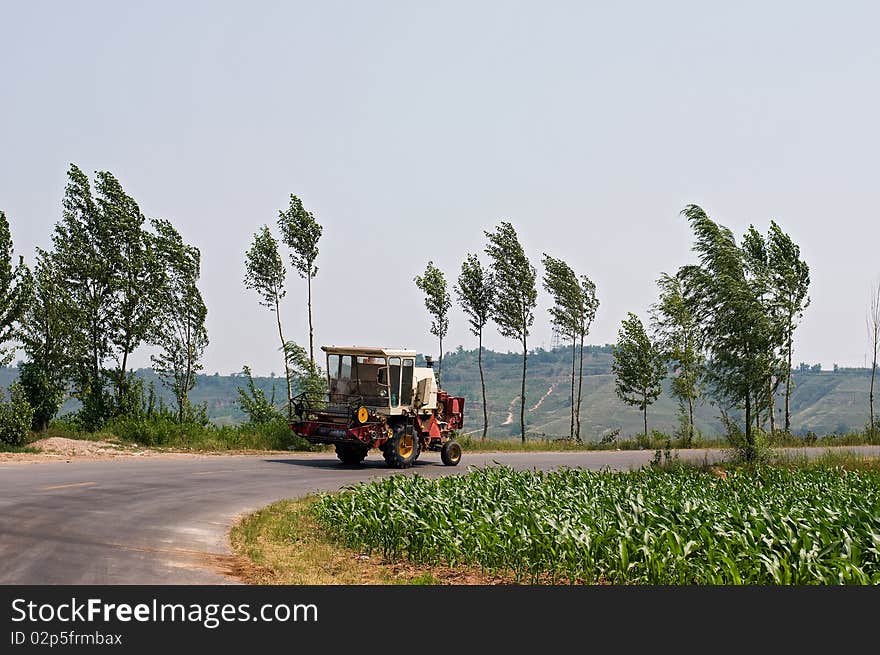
[(761, 526)]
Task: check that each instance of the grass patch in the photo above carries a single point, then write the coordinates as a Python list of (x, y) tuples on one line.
[(161, 433), (743, 525), (285, 544), (843, 460), (6, 448)]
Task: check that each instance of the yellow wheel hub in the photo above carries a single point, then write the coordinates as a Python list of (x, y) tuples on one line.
[(405, 445), (363, 414)]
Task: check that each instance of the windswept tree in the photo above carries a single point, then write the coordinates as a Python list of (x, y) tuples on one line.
[(181, 335), (265, 274), (676, 332), (790, 283), (476, 291), (873, 323), (515, 296), (134, 280), (565, 314), (301, 232), (14, 292), (306, 375), (589, 306), (735, 328), (44, 374), (437, 302), (638, 366), (85, 253)]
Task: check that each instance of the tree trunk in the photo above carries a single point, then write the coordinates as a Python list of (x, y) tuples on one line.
[(522, 398), (691, 418), (311, 327), (788, 385), (440, 366), (286, 363), (573, 353), (577, 415), (772, 401), (645, 414), (121, 381), (749, 438), (873, 425), (483, 385)]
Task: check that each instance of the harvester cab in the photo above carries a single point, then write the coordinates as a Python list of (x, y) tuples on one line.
[(379, 398)]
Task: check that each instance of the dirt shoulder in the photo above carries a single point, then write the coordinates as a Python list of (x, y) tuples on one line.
[(54, 449)]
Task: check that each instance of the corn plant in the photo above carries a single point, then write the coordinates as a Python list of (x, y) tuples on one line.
[(754, 526)]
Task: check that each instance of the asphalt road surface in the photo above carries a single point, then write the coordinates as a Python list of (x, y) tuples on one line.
[(160, 520)]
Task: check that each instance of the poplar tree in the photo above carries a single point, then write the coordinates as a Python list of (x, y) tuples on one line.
[(301, 232), (181, 335), (475, 291), (14, 291), (565, 314), (84, 251), (515, 295), (677, 334), (589, 306), (44, 373), (638, 366), (438, 303), (790, 280), (265, 274)]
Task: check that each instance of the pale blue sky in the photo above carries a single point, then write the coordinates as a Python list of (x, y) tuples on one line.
[(408, 128)]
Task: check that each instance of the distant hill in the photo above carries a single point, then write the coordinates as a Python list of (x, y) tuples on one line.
[(822, 401)]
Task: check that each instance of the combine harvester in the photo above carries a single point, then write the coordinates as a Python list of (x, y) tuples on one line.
[(379, 398)]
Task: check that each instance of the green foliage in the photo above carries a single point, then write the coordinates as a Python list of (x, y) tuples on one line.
[(16, 417), (790, 282), (475, 291), (725, 291), (563, 286), (306, 375), (752, 525), (639, 367), (513, 306), (265, 272), (300, 232), (14, 291), (515, 278), (437, 302), (259, 409), (42, 391), (181, 335), (134, 273), (677, 335), (43, 336)]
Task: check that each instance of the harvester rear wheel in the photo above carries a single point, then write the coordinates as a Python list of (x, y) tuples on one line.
[(402, 449), (350, 453), (450, 453)]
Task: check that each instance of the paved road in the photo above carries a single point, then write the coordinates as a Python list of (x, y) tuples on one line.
[(166, 520)]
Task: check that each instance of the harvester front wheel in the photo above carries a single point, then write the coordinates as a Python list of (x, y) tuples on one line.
[(402, 449), (450, 453), (350, 453)]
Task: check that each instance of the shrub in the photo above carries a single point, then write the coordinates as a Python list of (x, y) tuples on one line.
[(16, 416)]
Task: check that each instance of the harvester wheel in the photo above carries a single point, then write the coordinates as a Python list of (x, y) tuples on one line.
[(402, 449), (350, 453), (450, 453)]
